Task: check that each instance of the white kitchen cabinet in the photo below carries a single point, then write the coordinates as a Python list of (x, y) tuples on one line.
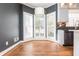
[(60, 37)]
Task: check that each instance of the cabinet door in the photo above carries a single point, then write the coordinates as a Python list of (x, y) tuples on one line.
[(68, 38)]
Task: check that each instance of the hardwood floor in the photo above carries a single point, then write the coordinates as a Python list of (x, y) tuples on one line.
[(40, 48)]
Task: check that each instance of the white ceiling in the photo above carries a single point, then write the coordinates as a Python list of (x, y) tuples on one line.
[(34, 5)]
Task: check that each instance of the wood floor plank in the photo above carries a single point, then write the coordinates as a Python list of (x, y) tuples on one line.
[(40, 48)]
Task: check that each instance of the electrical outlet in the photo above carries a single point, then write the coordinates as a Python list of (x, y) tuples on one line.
[(6, 43), (15, 39)]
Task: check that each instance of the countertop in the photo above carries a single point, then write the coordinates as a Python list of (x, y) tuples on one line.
[(68, 28)]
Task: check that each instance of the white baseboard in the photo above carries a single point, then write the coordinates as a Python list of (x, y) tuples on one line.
[(26, 40), (40, 39), (8, 49)]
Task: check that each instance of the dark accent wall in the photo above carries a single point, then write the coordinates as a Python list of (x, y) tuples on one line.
[(28, 9), (50, 10), (9, 24), (21, 22)]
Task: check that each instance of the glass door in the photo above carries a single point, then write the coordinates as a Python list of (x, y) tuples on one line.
[(51, 26), (39, 26)]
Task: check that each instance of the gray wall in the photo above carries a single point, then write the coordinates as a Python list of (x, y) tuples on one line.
[(51, 9), (28, 9), (20, 22), (9, 24)]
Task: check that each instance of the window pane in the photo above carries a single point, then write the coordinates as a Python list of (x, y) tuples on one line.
[(51, 25), (28, 25), (39, 25)]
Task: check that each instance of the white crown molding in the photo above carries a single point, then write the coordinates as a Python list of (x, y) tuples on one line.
[(43, 5)]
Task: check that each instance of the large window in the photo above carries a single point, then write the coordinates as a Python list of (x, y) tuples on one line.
[(28, 25), (40, 23), (51, 25), (39, 26)]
